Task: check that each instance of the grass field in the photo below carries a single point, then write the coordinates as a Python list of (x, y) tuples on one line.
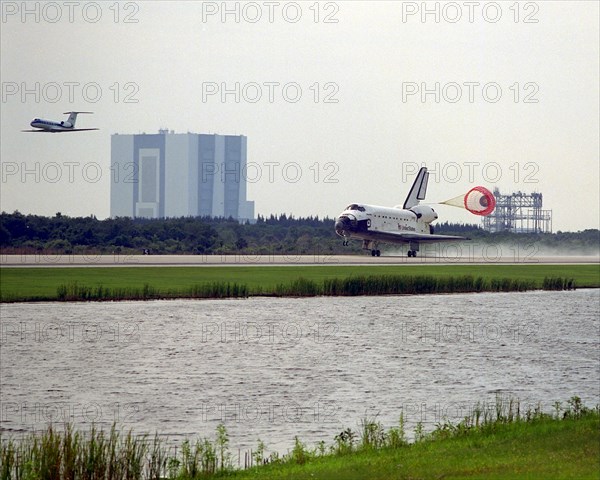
[(30, 284)]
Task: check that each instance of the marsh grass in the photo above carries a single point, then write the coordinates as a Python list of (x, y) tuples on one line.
[(70, 454), (75, 292), (400, 285), (302, 287), (114, 455), (558, 283)]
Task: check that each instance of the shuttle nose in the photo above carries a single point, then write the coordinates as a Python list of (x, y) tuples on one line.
[(344, 224)]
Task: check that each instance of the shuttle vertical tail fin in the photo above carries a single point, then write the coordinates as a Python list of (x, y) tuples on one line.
[(418, 189)]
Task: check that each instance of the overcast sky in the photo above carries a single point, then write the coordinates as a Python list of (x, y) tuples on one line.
[(340, 101)]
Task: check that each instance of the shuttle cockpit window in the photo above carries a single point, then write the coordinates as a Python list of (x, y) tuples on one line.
[(354, 206)]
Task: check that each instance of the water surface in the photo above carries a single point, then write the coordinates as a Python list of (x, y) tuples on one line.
[(275, 368)]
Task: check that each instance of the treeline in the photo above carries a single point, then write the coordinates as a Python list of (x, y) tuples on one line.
[(273, 235), (73, 235)]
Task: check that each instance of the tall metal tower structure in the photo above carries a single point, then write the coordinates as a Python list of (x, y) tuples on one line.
[(519, 213)]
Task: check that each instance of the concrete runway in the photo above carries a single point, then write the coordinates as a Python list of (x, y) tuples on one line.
[(120, 260)]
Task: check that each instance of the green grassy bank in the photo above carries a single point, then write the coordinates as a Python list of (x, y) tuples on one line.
[(548, 449), (498, 443), (46, 284)]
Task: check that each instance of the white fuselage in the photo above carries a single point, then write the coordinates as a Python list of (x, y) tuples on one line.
[(51, 125), (369, 221)]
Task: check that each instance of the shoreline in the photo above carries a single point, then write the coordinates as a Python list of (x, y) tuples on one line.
[(489, 439), (48, 283), (298, 297)]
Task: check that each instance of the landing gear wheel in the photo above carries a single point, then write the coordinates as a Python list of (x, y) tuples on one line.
[(373, 253), (409, 253), (378, 252), (412, 253)]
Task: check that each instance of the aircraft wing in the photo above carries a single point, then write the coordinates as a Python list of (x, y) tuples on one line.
[(79, 129), (404, 237)]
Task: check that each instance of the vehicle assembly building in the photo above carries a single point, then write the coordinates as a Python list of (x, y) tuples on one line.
[(179, 175), (518, 213)]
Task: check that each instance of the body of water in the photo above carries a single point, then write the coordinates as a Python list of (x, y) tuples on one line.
[(275, 368)]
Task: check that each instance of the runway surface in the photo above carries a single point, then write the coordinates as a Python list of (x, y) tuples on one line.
[(118, 260)]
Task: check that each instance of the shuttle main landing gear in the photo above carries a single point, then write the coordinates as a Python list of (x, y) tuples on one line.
[(413, 248), (371, 245)]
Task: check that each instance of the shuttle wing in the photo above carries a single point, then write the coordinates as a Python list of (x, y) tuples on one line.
[(405, 237)]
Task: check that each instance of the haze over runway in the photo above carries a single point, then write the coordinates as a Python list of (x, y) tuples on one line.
[(274, 260)]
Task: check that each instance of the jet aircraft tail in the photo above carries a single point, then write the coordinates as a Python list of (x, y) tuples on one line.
[(73, 117)]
